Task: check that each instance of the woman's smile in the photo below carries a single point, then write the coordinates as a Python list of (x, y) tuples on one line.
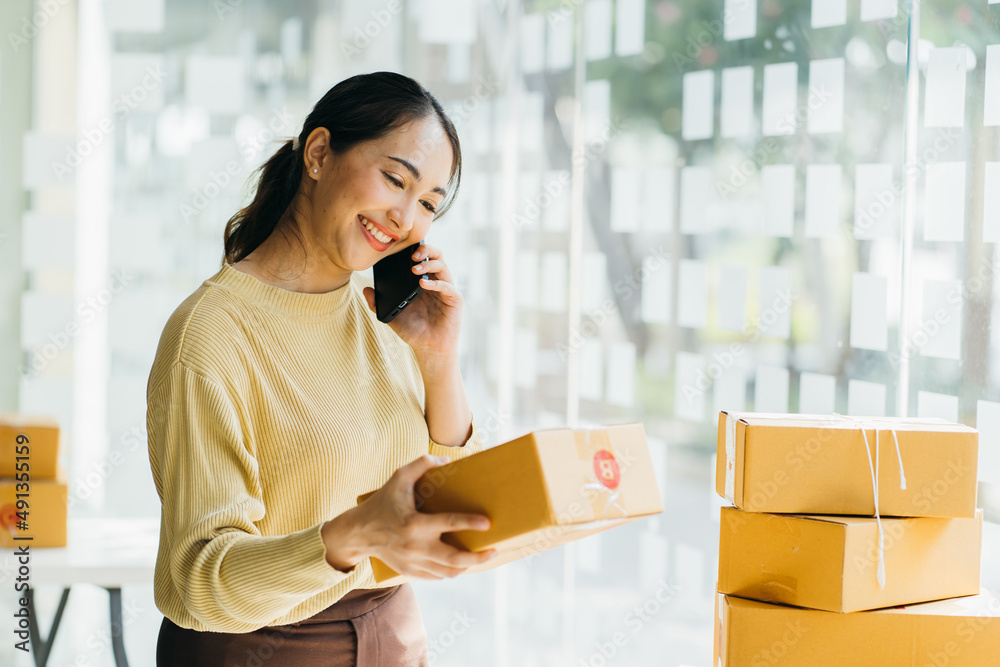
[(376, 234)]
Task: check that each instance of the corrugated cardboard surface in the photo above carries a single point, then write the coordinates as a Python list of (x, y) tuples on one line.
[(43, 443), (829, 562), (46, 516), (961, 632), (543, 489), (809, 464)]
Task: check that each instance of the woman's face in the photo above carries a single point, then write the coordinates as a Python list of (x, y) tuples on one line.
[(392, 184)]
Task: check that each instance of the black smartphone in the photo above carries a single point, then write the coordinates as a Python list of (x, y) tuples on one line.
[(396, 285)]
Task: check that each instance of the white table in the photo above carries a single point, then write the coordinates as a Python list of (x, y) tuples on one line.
[(106, 552)]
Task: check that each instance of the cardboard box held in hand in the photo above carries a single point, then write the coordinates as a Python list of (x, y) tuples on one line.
[(825, 464), (542, 490)]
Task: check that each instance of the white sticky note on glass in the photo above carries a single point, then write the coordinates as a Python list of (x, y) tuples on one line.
[(658, 190), (696, 188), (215, 83), (988, 425), (865, 399), (532, 43), (44, 320), (939, 333), (597, 106), (559, 48), (459, 63), (822, 200), (621, 374), (740, 19), (655, 304), (137, 82), (991, 87), (555, 216), (826, 13), (872, 10), (771, 389), (592, 370), (134, 15), (594, 281), (732, 299), (692, 294), (729, 391), (781, 85), (817, 394), (698, 105), (875, 201), (525, 362), (942, 406), (691, 383), (48, 241), (869, 328), (459, 28), (554, 275), (736, 107), (48, 160), (597, 29), (774, 317), (630, 27), (532, 119), (944, 202), (625, 188), (991, 201), (778, 199), (826, 87), (527, 278), (944, 94)]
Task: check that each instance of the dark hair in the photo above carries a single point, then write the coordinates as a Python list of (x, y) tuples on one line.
[(358, 109)]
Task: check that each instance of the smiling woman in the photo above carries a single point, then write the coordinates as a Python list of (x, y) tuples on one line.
[(277, 398)]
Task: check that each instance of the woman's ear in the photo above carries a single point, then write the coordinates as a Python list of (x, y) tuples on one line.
[(316, 152)]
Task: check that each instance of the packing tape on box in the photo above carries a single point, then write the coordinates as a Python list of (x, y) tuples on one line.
[(605, 492)]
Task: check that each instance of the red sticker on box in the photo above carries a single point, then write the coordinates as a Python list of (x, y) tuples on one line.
[(8, 517), (606, 469)]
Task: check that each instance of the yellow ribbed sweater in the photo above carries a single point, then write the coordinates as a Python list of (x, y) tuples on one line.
[(269, 411)]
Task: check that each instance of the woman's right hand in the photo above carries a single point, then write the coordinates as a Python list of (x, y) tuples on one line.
[(388, 526)]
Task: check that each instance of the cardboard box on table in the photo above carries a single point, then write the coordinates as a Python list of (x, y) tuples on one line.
[(46, 512), (39, 434), (830, 562), (542, 490), (960, 632), (811, 464)]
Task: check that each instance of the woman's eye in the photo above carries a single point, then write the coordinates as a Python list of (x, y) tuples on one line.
[(395, 181), (429, 206)]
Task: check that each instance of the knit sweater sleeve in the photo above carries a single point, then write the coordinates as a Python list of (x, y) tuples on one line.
[(229, 576)]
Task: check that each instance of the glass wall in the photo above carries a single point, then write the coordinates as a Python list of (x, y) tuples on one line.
[(668, 208)]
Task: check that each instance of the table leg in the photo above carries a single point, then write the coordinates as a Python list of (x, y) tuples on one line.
[(44, 646), (117, 628)]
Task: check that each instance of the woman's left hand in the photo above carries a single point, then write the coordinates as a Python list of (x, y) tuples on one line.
[(430, 324)]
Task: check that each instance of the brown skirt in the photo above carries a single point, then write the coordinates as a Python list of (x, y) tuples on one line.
[(365, 628)]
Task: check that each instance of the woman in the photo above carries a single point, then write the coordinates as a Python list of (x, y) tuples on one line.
[(277, 398)]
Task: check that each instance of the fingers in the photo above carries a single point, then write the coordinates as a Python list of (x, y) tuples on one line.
[(411, 472), (369, 297), (435, 263), (442, 287), (451, 522)]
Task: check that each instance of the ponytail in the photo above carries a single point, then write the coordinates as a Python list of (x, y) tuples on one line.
[(276, 187)]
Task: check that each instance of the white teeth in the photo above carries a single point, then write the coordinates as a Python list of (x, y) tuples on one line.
[(382, 238)]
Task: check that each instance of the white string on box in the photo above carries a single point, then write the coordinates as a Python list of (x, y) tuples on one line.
[(862, 424)]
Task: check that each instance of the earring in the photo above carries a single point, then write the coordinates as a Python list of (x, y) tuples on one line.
[(315, 170)]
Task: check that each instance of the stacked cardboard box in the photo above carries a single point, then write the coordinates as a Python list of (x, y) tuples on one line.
[(541, 490), (33, 490), (836, 523)]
